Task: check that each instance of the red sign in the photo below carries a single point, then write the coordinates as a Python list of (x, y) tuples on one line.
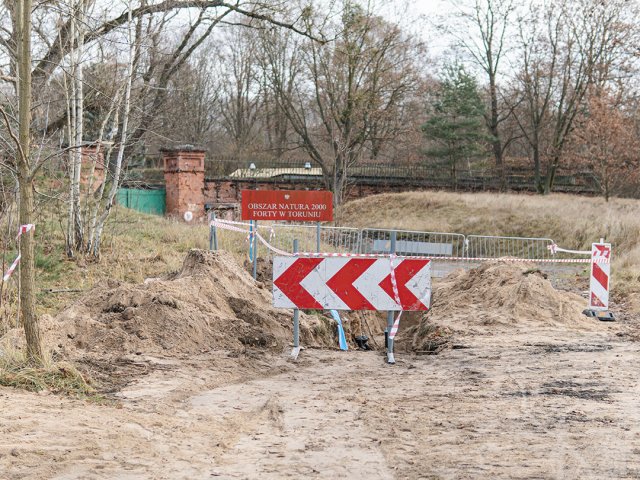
[(351, 283), (288, 205)]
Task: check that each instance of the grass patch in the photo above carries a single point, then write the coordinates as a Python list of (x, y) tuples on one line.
[(56, 377)]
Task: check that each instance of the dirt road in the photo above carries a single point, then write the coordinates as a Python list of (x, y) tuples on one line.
[(544, 404)]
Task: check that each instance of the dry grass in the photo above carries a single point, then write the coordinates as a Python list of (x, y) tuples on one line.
[(135, 246), (574, 222), (56, 377)]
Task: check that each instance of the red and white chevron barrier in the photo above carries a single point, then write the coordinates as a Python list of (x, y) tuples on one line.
[(600, 275), (351, 283)]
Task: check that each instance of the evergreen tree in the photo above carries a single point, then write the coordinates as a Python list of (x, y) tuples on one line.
[(456, 127)]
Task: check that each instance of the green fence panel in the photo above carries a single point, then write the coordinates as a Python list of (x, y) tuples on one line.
[(147, 201)]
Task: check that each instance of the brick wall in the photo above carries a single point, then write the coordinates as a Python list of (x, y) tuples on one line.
[(184, 181), (226, 193), (187, 189)]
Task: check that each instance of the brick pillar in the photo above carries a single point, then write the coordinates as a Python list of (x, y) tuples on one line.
[(184, 180), (92, 157)]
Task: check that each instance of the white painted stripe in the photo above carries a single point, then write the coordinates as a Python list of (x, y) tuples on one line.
[(420, 285), (368, 285), (315, 283), (281, 264), (595, 287), (280, 300)]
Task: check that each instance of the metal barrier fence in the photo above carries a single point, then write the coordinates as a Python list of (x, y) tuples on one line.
[(517, 247), (412, 243), (314, 238)]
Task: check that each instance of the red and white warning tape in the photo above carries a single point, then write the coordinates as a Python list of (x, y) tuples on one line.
[(271, 247), (460, 259), (23, 229), (228, 225), (553, 248), (13, 266), (396, 295)]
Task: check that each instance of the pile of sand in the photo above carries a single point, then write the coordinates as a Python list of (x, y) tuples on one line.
[(498, 297), (211, 303)]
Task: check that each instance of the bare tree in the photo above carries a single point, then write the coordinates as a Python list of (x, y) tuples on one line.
[(568, 49), (342, 98), (55, 40), (191, 110), (539, 33), (240, 100), (25, 174), (607, 144), (482, 32)]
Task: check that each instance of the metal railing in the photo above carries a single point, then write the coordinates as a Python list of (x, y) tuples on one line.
[(412, 243), (312, 238), (480, 246), (457, 250), (419, 173), (323, 238)]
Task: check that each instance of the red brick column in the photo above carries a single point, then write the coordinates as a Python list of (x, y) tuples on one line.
[(184, 180)]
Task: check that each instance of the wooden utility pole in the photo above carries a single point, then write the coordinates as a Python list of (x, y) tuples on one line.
[(25, 180)]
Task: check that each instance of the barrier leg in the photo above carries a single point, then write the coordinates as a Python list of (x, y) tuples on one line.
[(255, 249), (215, 234), (296, 321)]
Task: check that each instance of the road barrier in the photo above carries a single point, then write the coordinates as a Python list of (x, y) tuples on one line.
[(370, 244), (517, 247), (412, 243)]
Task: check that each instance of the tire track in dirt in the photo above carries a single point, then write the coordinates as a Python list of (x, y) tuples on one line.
[(536, 404)]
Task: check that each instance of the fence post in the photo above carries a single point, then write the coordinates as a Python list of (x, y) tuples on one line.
[(251, 240), (296, 320), (213, 234), (389, 341), (255, 249), (318, 237)]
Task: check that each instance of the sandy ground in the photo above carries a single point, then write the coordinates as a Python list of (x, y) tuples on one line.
[(540, 404)]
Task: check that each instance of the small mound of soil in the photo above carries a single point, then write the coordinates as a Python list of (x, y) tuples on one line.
[(211, 303), (498, 296)]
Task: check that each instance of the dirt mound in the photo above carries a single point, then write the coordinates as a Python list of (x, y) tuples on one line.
[(211, 303), (498, 296)]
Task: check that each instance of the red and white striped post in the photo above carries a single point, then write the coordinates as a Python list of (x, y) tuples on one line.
[(600, 276)]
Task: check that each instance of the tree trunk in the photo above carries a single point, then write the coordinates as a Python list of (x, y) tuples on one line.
[(551, 176), (496, 143), (536, 167), (115, 183), (25, 179), (27, 277)]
